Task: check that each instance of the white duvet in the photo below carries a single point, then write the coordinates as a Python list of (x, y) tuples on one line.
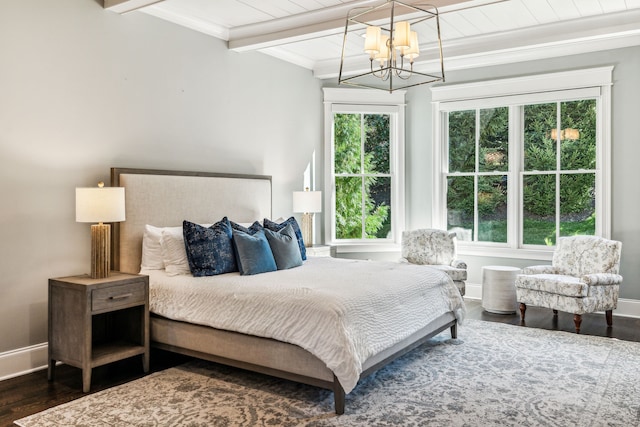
[(342, 311)]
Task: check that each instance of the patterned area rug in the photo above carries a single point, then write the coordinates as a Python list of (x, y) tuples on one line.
[(493, 375)]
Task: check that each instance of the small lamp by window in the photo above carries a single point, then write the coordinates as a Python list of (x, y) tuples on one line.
[(307, 202), (101, 205)]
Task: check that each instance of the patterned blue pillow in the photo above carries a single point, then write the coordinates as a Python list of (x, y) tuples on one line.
[(284, 246), (274, 226), (254, 253), (209, 250)]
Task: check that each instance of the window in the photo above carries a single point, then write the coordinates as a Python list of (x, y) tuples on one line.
[(364, 153), (477, 184), (559, 173), (523, 161)]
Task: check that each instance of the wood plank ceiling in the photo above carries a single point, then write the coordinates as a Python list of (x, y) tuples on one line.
[(475, 33)]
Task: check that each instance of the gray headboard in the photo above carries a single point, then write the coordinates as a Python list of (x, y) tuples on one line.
[(166, 198)]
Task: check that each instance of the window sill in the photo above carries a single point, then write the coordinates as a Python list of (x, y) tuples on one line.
[(502, 252)]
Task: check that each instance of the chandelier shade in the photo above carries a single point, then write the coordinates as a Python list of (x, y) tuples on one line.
[(389, 36)]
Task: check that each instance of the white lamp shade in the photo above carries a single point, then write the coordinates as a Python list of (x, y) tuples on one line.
[(383, 54), (372, 40), (413, 51), (100, 204), (307, 201), (401, 39)]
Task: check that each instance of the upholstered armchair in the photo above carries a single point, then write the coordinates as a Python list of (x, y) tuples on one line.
[(583, 278), (437, 249)]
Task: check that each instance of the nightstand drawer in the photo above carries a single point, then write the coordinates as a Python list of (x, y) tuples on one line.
[(117, 296)]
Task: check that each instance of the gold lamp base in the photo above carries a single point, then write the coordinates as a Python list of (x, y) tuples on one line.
[(100, 250)]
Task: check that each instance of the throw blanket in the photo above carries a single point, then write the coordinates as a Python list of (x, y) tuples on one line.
[(341, 311)]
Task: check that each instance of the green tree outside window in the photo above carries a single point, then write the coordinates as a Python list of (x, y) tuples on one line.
[(362, 175)]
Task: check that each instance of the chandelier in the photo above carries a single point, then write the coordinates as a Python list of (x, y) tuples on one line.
[(388, 34)]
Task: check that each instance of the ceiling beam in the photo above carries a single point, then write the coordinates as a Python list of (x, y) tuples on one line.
[(124, 6), (317, 23)]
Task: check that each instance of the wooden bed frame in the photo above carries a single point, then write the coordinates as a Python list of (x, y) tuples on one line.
[(166, 198)]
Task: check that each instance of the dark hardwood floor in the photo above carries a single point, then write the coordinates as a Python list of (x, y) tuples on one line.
[(32, 393), (624, 328)]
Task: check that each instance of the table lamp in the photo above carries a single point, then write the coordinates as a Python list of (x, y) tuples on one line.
[(102, 205), (307, 202)]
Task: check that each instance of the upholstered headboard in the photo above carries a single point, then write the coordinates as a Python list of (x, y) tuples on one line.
[(166, 198)]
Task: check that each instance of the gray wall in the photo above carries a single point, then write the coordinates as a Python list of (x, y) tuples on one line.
[(625, 152), (83, 89)]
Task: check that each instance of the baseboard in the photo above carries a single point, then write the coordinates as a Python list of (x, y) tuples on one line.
[(473, 291), (23, 361), (626, 307)]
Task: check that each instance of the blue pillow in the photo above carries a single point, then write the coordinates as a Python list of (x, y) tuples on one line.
[(209, 250), (274, 226), (251, 230), (254, 253), (284, 246)]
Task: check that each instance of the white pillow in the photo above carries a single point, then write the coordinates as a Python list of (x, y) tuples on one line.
[(152, 257), (151, 251), (174, 254)]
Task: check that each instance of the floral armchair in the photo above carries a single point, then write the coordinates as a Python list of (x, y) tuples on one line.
[(583, 278), (435, 248)]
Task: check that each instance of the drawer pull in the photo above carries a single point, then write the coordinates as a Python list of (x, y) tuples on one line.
[(123, 296)]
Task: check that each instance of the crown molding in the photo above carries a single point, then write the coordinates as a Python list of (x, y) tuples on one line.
[(124, 6), (286, 55), (206, 27)]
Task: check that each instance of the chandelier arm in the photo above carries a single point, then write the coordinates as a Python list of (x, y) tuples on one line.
[(400, 71), (380, 73)]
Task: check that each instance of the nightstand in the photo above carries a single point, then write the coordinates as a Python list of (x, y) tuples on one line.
[(318, 250), (93, 322)]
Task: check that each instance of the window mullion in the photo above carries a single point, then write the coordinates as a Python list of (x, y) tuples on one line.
[(514, 176), (476, 214), (362, 178), (558, 164)]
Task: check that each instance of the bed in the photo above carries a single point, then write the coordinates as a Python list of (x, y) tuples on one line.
[(166, 198)]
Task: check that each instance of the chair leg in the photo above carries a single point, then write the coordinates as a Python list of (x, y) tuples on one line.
[(523, 308), (577, 319), (609, 316)]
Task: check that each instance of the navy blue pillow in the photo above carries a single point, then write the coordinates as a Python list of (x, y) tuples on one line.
[(209, 250), (284, 246), (254, 253), (274, 226)]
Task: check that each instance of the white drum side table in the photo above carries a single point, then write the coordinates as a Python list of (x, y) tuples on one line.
[(499, 289)]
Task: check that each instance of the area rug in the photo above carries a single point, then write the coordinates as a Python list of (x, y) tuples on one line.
[(492, 375)]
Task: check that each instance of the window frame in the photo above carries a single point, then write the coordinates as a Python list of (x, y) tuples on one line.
[(340, 100), (594, 83)]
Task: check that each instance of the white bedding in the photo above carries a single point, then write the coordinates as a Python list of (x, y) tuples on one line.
[(342, 311)]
